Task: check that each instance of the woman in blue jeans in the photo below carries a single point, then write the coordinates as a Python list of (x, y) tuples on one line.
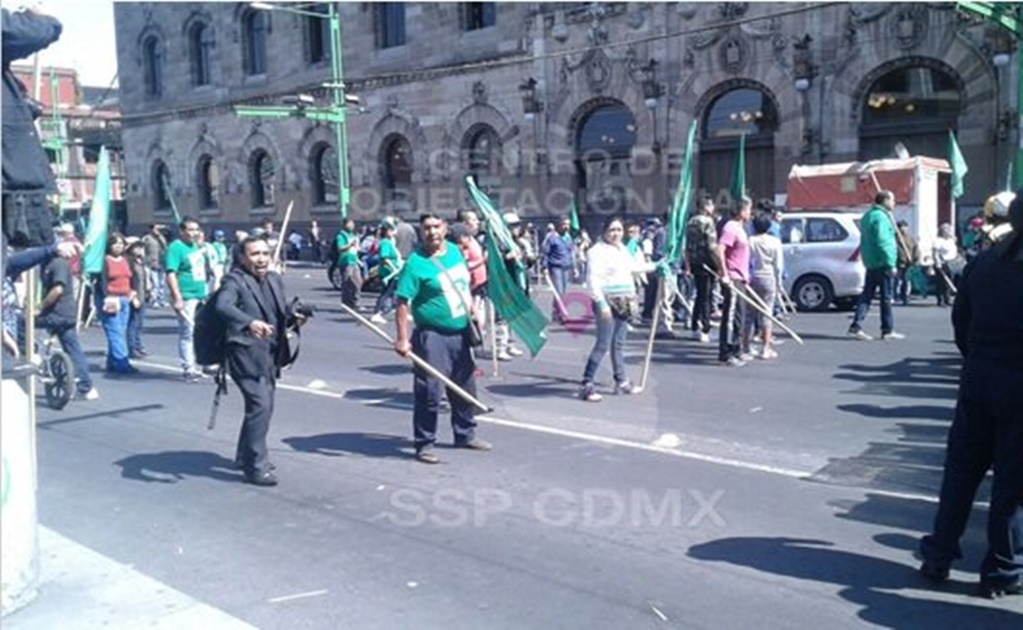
[(115, 295), (610, 278)]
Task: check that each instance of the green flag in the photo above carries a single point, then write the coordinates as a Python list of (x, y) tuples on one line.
[(958, 166), (678, 216), (508, 298), (739, 171), (573, 218), (99, 218)]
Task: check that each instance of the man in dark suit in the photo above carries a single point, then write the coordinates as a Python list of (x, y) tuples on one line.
[(252, 303)]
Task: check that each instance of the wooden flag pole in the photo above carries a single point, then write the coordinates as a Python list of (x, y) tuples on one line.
[(281, 235), (492, 320), (419, 362), (746, 298), (557, 298), (653, 333), (80, 303)]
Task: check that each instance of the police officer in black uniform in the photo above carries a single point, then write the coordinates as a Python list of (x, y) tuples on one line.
[(988, 427)]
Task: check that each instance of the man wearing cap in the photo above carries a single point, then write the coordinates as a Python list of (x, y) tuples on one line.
[(434, 289), (347, 245)]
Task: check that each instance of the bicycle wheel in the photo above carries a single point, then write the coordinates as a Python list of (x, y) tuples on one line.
[(60, 385)]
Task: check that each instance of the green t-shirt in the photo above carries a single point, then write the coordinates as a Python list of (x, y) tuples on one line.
[(189, 263), (350, 256), (390, 259), (432, 295)]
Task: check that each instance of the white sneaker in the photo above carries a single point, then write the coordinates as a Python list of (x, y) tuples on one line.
[(704, 337), (92, 394), (515, 352), (504, 356), (892, 335), (378, 319)]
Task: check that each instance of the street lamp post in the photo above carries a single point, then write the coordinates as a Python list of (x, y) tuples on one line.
[(335, 114)]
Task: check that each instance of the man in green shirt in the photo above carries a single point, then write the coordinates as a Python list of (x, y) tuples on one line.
[(348, 263), (878, 250), (185, 266), (434, 288)]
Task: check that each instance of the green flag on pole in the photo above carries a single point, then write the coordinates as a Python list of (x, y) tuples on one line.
[(958, 166), (678, 216), (99, 218), (170, 199), (508, 298), (573, 218), (738, 189)]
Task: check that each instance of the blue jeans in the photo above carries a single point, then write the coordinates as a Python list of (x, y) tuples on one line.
[(68, 337), (877, 279), (611, 333), (559, 278), (186, 328), (115, 327), (385, 301), (136, 320)]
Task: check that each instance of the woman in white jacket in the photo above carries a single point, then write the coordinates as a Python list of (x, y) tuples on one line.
[(610, 278)]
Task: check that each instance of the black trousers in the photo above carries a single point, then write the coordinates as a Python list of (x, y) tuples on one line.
[(449, 354), (251, 454), (733, 314), (702, 305)]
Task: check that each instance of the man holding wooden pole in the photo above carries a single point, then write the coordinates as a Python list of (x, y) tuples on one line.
[(733, 260), (434, 289)]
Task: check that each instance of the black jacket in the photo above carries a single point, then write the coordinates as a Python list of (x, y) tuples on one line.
[(240, 301), (987, 315), (25, 166)]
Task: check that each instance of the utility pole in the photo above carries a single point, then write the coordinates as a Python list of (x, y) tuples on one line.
[(1007, 16), (304, 105)]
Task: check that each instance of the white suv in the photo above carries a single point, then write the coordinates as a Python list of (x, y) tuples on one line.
[(822, 258)]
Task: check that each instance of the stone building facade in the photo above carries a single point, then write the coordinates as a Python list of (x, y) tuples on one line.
[(545, 103)]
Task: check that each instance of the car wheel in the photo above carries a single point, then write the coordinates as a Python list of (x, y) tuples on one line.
[(812, 293)]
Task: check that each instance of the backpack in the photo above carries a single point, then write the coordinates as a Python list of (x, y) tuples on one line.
[(209, 338)]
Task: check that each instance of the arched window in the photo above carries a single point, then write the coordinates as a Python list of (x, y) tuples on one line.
[(208, 179), (397, 166), (744, 111), (484, 151), (317, 34), (915, 105), (323, 174), (161, 184), (255, 27), (262, 172), (152, 65), (604, 141), (200, 44)]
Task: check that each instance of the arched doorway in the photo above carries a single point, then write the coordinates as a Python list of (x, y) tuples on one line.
[(483, 153), (397, 165), (604, 139), (916, 105), (745, 110)]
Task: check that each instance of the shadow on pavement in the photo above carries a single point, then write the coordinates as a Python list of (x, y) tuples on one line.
[(105, 413), (175, 466), (870, 582), (339, 444), (389, 397)]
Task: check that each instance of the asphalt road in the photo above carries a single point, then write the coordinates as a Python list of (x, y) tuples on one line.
[(782, 494)]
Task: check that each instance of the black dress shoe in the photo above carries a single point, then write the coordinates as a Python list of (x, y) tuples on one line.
[(261, 478), (994, 591), (934, 572)]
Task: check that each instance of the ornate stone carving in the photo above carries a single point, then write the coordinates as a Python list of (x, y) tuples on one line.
[(733, 54), (598, 71), (863, 12), (637, 19), (687, 10), (479, 93), (907, 27), (730, 11)]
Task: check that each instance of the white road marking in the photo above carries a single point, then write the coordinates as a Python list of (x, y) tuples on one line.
[(288, 598), (655, 447)]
